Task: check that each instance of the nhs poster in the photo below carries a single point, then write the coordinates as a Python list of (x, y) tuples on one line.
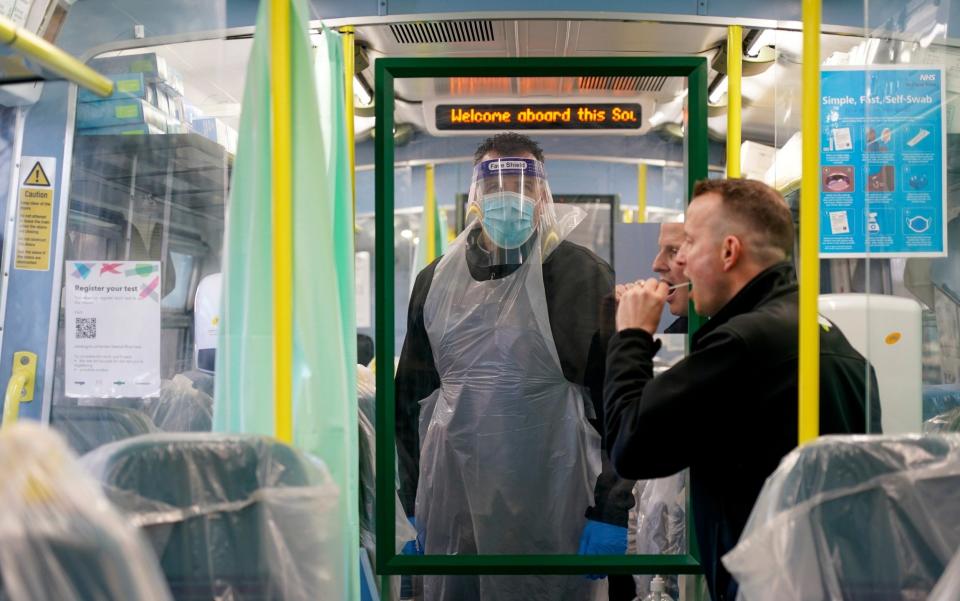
[(882, 162)]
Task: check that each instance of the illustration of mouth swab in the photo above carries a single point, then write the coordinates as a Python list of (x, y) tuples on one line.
[(916, 139)]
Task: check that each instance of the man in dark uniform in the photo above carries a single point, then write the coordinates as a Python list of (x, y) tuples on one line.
[(577, 288), (728, 411)]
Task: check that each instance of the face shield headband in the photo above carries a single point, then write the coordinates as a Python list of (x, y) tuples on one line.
[(509, 196)]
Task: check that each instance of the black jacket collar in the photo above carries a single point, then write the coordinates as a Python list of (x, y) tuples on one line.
[(677, 327), (770, 283)]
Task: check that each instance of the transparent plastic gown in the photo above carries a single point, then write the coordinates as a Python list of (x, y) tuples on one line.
[(948, 588), (60, 538), (661, 525), (231, 517), (853, 518), (508, 461)]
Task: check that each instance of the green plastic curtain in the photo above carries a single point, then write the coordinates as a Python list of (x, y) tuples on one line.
[(324, 381)]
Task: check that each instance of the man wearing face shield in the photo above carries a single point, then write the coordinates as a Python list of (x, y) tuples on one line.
[(499, 387)]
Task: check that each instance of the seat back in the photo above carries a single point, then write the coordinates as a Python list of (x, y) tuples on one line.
[(88, 427), (230, 516), (861, 518), (59, 537)]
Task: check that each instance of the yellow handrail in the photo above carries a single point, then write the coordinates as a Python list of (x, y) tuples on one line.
[(809, 375), (282, 222), (20, 388), (641, 193), (53, 58), (428, 233), (11, 400), (734, 99), (349, 67)]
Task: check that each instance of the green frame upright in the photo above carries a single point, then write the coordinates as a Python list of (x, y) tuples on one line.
[(694, 69)]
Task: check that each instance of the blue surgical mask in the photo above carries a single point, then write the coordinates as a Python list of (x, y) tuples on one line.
[(508, 218)]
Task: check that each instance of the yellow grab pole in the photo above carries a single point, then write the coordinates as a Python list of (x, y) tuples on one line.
[(641, 193), (809, 376), (734, 98), (20, 386), (53, 58), (349, 65), (282, 223), (428, 235), (11, 400)]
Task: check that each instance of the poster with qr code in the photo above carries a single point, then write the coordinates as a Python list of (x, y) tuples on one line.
[(112, 329)]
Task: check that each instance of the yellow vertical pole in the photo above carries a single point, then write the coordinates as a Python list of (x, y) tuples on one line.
[(641, 192), (734, 97), (349, 66), (428, 234), (282, 212), (809, 376)]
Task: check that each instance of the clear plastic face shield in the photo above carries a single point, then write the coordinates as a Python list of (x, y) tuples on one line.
[(511, 200)]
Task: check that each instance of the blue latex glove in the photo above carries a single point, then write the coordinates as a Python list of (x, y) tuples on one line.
[(414, 547), (599, 538)]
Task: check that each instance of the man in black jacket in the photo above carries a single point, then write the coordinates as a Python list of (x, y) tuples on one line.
[(728, 411), (577, 287)]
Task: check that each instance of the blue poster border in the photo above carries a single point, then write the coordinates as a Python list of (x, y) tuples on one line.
[(943, 164)]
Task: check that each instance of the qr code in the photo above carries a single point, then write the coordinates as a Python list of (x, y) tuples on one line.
[(86, 327)]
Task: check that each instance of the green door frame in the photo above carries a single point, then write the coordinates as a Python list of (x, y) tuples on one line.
[(694, 69)]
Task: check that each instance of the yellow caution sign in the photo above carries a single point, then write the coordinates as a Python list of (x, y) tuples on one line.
[(37, 177), (34, 226), (35, 215)]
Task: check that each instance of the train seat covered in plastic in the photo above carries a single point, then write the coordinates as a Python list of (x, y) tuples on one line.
[(238, 517), (861, 518), (59, 536), (88, 427)]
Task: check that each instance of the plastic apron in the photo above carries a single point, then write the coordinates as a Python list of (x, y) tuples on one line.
[(508, 461)]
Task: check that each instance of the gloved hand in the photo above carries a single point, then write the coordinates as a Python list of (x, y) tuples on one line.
[(599, 538), (414, 547)]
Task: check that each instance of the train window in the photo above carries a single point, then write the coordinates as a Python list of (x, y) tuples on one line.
[(176, 300), (894, 291), (149, 182), (11, 120)]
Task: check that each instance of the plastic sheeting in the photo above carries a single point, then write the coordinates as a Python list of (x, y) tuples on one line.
[(88, 427), (368, 515), (367, 393), (508, 461), (366, 399), (939, 399), (183, 406), (368, 474), (324, 396), (947, 422), (948, 588), (661, 524), (854, 518), (60, 539), (231, 517)]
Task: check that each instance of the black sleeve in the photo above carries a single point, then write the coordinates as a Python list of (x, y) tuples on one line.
[(647, 418), (580, 299), (613, 495), (876, 417), (416, 379)]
